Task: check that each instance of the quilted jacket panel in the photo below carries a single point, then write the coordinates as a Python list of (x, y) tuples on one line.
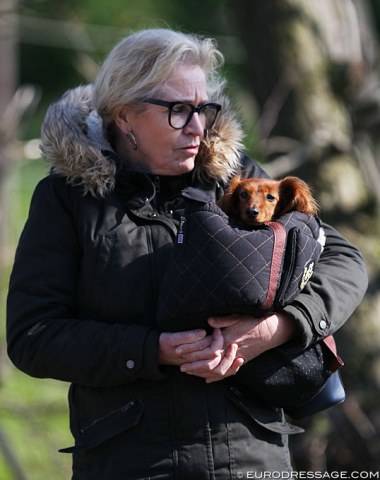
[(219, 268)]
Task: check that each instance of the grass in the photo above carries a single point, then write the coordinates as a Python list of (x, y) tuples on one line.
[(34, 413)]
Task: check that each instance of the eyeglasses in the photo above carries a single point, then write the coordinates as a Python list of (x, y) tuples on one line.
[(180, 113)]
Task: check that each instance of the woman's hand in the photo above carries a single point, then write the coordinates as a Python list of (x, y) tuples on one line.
[(254, 335), (193, 350), (224, 364), (190, 346), (244, 338)]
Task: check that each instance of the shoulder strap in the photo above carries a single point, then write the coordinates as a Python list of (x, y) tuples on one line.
[(331, 345), (276, 263), (277, 256)]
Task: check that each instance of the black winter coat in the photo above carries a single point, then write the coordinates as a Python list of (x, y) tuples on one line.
[(81, 309)]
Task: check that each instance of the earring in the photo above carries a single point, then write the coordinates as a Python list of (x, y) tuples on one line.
[(132, 140)]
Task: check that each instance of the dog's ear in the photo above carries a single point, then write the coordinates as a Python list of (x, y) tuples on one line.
[(295, 195), (234, 183), (228, 202)]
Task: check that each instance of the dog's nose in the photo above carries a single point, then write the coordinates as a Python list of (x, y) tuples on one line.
[(252, 212)]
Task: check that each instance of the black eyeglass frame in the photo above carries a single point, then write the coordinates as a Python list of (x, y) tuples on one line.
[(194, 109)]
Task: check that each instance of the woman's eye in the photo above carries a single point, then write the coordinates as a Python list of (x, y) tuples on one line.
[(180, 109), (270, 197), (244, 195)]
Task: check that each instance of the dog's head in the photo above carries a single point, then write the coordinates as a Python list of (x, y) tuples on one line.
[(254, 201), (251, 201)]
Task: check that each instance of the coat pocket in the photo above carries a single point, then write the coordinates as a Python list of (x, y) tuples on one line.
[(107, 427), (271, 419)]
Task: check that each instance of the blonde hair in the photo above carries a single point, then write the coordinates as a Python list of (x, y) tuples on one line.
[(145, 60)]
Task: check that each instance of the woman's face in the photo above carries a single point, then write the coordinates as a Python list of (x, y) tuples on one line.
[(161, 149)]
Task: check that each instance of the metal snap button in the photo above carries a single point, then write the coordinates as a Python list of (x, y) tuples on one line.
[(130, 364)]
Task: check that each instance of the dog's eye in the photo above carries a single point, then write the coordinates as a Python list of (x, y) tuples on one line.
[(270, 197), (244, 195)]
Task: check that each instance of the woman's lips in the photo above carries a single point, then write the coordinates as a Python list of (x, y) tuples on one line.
[(193, 149)]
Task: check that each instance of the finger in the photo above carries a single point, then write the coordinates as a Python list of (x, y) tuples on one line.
[(227, 361), (217, 343), (201, 367), (237, 363), (223, 322), (186, 337), (198, 345), (206, 355), (204, 349), (228, 365), (217, 365)]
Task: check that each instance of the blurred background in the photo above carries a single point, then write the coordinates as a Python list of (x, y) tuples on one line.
[(304, 76)]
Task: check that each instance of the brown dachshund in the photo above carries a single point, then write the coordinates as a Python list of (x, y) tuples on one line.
[(254, 201)]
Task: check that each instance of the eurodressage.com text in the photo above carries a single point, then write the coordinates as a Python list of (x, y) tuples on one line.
[(341, 475)]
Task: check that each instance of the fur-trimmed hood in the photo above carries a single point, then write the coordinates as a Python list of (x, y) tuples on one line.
[(72, 141)]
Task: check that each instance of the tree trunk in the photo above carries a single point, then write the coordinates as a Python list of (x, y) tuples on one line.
[(8, 85), (317, 93)]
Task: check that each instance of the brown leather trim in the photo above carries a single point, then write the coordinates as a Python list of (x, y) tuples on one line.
[(277, 255), (331, 345)]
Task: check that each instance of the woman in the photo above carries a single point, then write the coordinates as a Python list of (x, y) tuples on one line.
[(83, 293)]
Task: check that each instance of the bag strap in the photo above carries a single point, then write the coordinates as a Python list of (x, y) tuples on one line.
[(276, 263), (277, 255), (337, 362)]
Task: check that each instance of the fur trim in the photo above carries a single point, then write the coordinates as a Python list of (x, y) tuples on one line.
[(72, 141), (68, 143), (220, 150)]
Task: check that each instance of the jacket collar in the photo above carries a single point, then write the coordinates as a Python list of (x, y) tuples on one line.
[(138, 189)]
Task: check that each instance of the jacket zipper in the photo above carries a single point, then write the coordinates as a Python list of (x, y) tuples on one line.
[(181, 230), (123, 409), (157, 187), (157, 183), (152, 262)]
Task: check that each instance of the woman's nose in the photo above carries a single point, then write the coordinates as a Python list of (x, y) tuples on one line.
[(195, 126)]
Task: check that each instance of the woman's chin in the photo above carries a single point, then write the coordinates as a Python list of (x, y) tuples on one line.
[(183, 166), (188, 165)]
